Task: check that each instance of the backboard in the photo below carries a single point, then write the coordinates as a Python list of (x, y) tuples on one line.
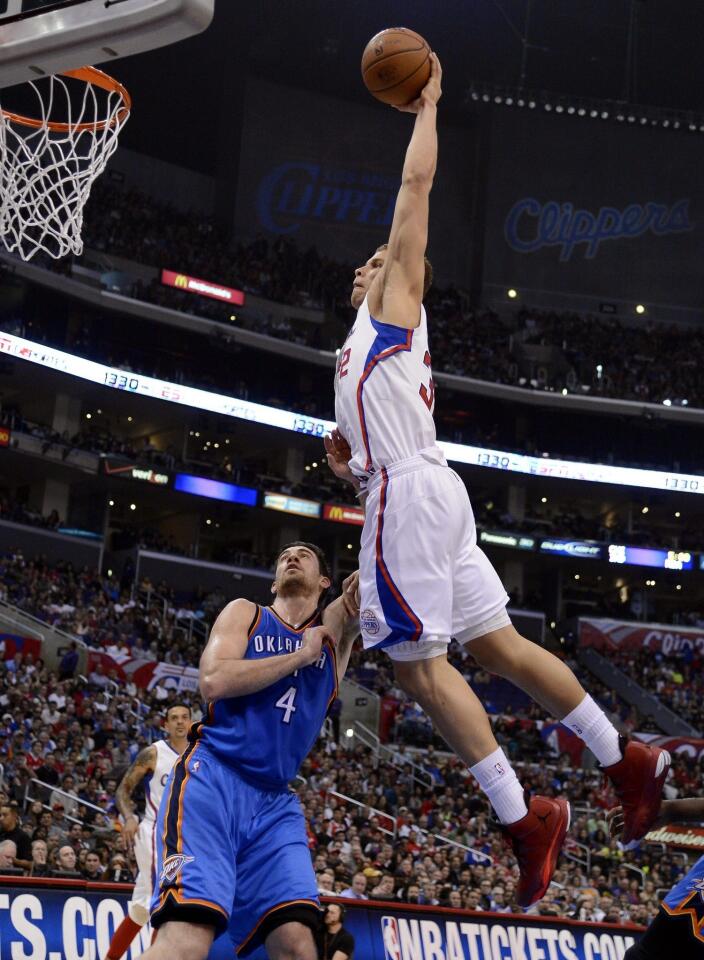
[(43, 37)]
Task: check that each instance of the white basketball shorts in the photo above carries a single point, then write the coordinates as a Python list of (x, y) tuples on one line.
[(145, 853), (423, 579)]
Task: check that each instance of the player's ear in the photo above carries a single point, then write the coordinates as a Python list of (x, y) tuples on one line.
[(273, 587), (325, 583)]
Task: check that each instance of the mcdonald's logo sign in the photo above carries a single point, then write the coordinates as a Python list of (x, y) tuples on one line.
[(343, 514), (4, 437), (206, 288)]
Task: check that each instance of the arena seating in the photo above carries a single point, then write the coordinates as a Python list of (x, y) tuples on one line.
[(418, 843)]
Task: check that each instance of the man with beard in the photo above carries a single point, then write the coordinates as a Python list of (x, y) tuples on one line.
[(232, 843)]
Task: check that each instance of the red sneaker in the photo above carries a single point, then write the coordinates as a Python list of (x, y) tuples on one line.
[(536, 841), (638, 780)]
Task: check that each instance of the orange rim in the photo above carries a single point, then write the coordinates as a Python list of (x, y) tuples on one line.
[(88, 75)]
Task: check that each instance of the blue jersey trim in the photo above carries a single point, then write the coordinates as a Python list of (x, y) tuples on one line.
[(398, 614)]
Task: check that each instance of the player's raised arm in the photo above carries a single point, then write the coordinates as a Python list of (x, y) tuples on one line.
[(142, 765), (396, 294), (224, 672), (341, 617)]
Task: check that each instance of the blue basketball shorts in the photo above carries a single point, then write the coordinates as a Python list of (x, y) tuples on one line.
[(229, 854)]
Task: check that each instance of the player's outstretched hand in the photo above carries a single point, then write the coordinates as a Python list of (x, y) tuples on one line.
[(128, 833), (615, 820), (350, 594), (339, 454), (313, 639), (431, 92)]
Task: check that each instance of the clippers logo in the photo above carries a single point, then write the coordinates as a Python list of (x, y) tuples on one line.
[(173, 866), (389, 932), (369, 622)]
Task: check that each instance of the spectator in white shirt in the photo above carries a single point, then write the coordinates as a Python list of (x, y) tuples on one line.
[(357, 891)]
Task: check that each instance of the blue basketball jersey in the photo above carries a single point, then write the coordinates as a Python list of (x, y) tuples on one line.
[(265, 736)]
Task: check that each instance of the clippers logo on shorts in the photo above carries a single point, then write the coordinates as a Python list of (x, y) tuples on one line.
[(172, 865), (389, 932), (369, 622)]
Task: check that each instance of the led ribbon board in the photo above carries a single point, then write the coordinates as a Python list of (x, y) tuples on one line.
[(301, 423)]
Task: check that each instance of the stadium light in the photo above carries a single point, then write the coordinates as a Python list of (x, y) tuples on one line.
[(645, 509), (678, 514), (349, 732), (111, 503), (133, 506), (511, 293), (640, 309)]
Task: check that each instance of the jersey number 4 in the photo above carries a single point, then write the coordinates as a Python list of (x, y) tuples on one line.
[(285, 703)]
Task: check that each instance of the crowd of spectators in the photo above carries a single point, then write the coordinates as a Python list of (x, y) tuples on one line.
[(644, 361), (678, 681), (411, 827), (106, 612)]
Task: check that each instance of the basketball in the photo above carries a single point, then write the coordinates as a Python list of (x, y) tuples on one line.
[(396, 66)]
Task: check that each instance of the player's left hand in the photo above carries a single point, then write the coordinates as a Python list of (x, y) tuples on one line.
[(313, 640), (350, 594), (339, 454), (431, 92)]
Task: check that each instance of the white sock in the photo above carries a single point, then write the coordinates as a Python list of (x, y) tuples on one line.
[(499, 782), (590, 723)]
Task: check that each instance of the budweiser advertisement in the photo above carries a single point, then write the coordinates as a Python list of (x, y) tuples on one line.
[(206, 288), (604, 634), (343, 514), (691, 838)]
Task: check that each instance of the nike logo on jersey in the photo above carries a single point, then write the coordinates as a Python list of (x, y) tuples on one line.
[(173, 865)]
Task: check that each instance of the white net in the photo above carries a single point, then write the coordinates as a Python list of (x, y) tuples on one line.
[(48, 164)]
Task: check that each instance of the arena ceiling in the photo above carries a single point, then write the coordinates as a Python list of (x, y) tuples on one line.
[(575, 47)]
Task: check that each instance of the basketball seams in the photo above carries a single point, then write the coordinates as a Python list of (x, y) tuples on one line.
[(398, 83), (390, 56), (421, 46)]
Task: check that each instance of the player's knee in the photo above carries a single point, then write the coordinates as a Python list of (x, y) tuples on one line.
[(502, 651), (291, 941), (419, 679)]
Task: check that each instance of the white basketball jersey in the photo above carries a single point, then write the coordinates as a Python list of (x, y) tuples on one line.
[(154, 785), (384, 393)]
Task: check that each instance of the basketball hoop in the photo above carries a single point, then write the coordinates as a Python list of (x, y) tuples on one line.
[(48, 165)]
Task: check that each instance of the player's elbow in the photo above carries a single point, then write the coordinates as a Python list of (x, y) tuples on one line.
[(210, 688), (418, 178)]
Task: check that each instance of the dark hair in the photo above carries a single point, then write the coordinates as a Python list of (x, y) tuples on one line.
[(340, 907), (428, 275), (178, 703), (322, 559)]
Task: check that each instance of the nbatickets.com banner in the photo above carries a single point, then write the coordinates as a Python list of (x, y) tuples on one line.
[(53, 920)]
